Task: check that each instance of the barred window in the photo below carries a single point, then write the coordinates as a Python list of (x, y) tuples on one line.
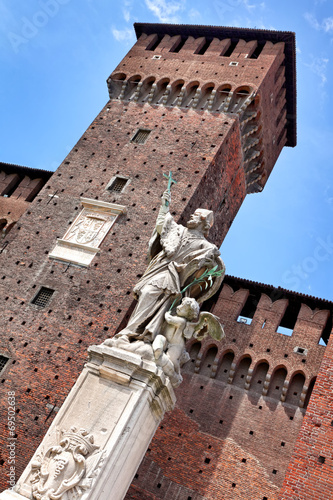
[(118, 184), (43, 297), (3, 362), (141, 136)]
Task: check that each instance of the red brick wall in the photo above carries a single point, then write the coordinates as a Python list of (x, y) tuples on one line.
[(17, 189), (224, 441), (47, 347), (310, 471)]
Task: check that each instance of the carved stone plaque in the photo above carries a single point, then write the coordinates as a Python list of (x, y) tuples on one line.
[(81, 241)]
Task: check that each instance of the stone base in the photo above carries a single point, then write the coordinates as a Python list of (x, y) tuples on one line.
[(102, 431)]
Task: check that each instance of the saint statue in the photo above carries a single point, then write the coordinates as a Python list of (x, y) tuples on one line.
[(183, 266)]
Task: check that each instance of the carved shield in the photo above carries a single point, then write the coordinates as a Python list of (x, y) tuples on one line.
[(89, 229)]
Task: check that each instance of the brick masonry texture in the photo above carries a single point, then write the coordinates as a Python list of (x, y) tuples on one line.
[(310, 472), (224, 439)]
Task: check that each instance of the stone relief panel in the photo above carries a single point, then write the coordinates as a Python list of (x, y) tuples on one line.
[(83, 238), (67, 469)]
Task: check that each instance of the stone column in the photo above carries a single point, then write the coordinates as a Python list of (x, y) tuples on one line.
[(102, 431)]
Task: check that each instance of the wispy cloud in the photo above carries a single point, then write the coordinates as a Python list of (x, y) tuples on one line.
[(127, 10), (194, 14), (325, 25), (318, 66), (166, 11), (251, 6), (125, 35)]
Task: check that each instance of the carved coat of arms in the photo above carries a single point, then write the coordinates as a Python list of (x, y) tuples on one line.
[(66, 470), (86, 229)]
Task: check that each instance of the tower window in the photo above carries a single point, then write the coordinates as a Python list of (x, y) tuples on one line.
[(141, 136), (3, 362), (43, 297), (117, 184)]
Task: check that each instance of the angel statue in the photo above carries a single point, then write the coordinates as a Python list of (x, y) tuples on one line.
[(182, 264), (169, 346)]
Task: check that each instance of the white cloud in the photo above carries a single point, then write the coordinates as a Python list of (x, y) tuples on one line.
[(125, 35), (127, 15), (249, 6), (194, 14), (127, 7), (326, 25), (318, 66), (166, 10)]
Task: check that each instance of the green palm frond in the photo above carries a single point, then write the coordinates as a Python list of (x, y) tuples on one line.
[(206, 280)]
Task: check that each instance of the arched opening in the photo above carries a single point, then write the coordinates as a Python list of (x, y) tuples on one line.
[(239, 96), (145, 89), (175, 91), (276, 384), (118, 77), (206, 93), (224, 368), (207, 363), (193, 353), (259, 376), (222, 93), (131, 87), (160, 90), (190, 93), (115, 84), (295, 389), (242, 371), (309, 392)]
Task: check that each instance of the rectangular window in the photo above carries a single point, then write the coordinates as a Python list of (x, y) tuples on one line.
[(244, 320), (141, 136), (43, 297), (117, 185), (3, 362)]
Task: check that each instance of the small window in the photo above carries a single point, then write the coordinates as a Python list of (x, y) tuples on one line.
[(244, 320), (301, 350), (118, 184), (3, 362), (233, 63), (141, 136), (43, 297)]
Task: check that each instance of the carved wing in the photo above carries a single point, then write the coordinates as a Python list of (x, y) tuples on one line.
[(208, 324)]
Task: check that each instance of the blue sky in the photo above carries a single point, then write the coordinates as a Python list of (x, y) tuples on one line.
[(55, 56)]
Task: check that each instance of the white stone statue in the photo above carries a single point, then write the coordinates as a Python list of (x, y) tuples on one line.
[(169, 345), (178, 255), (182, 264)]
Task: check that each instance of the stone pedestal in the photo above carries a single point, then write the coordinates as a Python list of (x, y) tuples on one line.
[(102, 431)]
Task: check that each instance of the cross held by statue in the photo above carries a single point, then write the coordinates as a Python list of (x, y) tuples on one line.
[(170, 182)]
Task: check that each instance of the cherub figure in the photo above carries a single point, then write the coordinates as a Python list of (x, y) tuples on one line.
[(169, 346)]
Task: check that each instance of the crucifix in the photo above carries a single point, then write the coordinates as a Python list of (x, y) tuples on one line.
[(170, 182)]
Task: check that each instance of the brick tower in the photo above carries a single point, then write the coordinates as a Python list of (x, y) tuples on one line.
[(215, 105)]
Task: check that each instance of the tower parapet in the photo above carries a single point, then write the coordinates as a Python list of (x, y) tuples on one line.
[(246, 75)]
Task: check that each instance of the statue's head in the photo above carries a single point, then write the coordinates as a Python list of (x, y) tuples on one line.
[(188, 308), (201, 219)]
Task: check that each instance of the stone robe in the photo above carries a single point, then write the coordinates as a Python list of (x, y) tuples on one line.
[(171, 245)]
